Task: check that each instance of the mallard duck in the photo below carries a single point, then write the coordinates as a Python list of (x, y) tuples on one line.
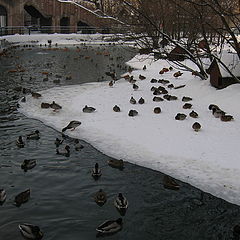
[(116, 108), (23, 99), (170, 86), (110, 84), (144, 67), (157, 110), (3, 196), (217, 113), (132, 113), (28, 164), (36, 95), (186, 99), (196, 126), (22, 197), (78, 145), (158, 99), (226, 118), (58, 142), (180, 116), (116, 163), (133, 100), (157, 92), (100, 197), (177, 74), (45, 105), (34, 135), (170, 183), (65, 152), (135, 87), (193, 114), (55, 106), (211, 106), (141, 77), (87, 109), (19, 142), (121, 203), (187, 106), (30, 231), (72, 125), (141, 101), (153, 80), (110, 226), (96, 172)]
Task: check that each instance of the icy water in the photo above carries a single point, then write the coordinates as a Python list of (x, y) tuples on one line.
[(62, 188)]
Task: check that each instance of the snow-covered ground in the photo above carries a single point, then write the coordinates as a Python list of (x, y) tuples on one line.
[(208, 159)]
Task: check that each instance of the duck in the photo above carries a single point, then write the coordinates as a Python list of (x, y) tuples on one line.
[(217, 113), (96, 171), (110, 226), (196, 126), (72, 125), (157, 110), (170, 183), (186, 99), (111, 83), (180, 116), (157, 92), (58, 142), (78, 145), (141, 101), (153, 80), (121, 203), (144, 67), (100, 197), (30, 231), (116, 108), (19, 142), (158, 99), (177, 74), (211, 106), (187, 106), (3, 196), (226, 118), (45, 105), (132, 113), (193, 114), (22, 197), (87, 109), (135, 87), (141, 77), (36, 95), (28, 164), (133, 100), (23, 99), (65, 152), (170, 86), (55, 106), (115, 163), (33, 136)]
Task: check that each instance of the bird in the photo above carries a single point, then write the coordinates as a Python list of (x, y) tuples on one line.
[(115, 163), (186, 99), (33, 136), (110, 84), (180, 116), (158, 99), (144, 67), (170, 183), (55, 106), (121, 203), (65, 152), (116, 108), (132, 113), (193, 114), (157, 110), (196, 126), (153, 80), (217, 113), (36, 95), (72, 125), (141, 101), (135, 86), (3, 196), (58, 142), (19, 142), (78, 145), (187, 105), (22, 197), (28, 164), (45, 105), (100, 197), (211, 106), (177, 74), (23, 99), (96, 171), (30, 231), (110, 226), (141, 77), (170, 86), (226, 118), (87, 109), (133, 100)]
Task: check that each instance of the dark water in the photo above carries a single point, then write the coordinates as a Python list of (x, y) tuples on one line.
[(62, 188)]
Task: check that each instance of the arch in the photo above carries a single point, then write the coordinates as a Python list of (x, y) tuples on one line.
[(64, 24), (3, 16), (85, 28)]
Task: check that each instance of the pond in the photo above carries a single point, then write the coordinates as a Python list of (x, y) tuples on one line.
[(62, 189)]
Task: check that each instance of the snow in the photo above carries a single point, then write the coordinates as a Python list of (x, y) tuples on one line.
[(208, 159)]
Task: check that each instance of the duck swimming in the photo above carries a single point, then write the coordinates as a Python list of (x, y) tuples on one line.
[(141, 101), (96, 172), (100, 197), (121, 204), (193, 114), (28, 164), (30, 231), (180, 116), (87, 109), (110, 226), (55, 106), (19, 142), (34, 135), (157, 110), (36, 95), (78, 145), (170, 183), (133, 100), (65, 152), (58, 142), (116, 108), (72, 125), (132, 113), (196, 126), (22, 197), (115, 163), (3, 196)]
